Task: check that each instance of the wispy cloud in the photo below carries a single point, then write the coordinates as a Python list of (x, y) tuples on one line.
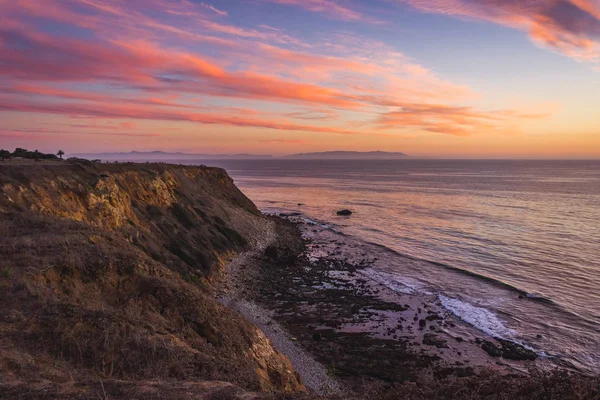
[(214, 9), (38, 132), (452, 120), (330, 8), (571, 27), (134, 64)]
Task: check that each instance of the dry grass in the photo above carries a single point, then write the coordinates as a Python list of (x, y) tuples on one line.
[(83, 299)]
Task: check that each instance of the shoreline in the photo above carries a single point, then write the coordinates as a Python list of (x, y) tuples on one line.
[(236, 291), (317, 305)]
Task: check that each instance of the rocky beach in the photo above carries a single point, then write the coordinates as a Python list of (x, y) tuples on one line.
[(313, 287)]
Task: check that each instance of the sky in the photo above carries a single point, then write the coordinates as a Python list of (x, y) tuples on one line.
[(440, 78)]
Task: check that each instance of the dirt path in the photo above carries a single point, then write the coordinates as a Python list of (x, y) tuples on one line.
[(234, 294)]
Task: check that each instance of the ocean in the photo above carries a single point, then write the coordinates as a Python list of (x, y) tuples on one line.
[(510, 247)]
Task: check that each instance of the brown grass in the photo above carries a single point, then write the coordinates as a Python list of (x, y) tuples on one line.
[(84, 296)]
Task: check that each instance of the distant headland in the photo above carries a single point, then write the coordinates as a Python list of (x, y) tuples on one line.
[(173, 156), (350, 155)]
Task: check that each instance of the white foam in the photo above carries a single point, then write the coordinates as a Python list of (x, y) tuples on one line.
[(313, 260), (392, 282), (479, 317), (535, 296)]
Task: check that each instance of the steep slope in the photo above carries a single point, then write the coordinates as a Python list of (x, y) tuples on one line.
[(106, 270)]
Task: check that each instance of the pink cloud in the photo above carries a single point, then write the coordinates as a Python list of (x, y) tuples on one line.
[(144, 63), (134, 66), (571, 27), (120, 111)]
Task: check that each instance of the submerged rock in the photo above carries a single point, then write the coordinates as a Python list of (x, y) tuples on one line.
[(430, 339), (508, 350), (514, 351), (291, 214), (491, 349), (271, 252)]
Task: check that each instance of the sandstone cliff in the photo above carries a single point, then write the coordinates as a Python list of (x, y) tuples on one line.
[(106, 271)]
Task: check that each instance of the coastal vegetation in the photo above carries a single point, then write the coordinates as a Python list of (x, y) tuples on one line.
[(29, 155)]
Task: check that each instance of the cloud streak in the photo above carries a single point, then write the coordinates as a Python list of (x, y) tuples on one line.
[(120, 111), (331, 8), (180, 62), (452, 120), (570, 27)]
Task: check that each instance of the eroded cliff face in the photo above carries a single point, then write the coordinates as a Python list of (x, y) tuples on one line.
[(106, 270)]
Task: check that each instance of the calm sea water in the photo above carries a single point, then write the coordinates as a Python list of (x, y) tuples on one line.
[(511, 247)]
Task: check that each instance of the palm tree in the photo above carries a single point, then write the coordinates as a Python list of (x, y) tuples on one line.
[(60, 154)]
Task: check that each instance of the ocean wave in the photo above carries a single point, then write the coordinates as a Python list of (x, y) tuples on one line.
[(497, 282), (490, 280), (393, 282), (494, 281), (479, 317)]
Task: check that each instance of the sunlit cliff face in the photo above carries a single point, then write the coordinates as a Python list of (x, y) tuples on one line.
[(458, 78)]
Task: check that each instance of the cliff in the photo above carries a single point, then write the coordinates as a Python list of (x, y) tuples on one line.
[(106, 273)]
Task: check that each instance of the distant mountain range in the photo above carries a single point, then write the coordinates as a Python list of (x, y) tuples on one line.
[(166, 156), (345, 155)]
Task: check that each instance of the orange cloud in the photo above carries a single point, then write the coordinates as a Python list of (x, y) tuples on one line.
[(36, 133), (452, 120), (286, 141), (120, 111), (132, 65)]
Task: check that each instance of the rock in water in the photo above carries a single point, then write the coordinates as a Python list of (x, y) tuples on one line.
[(491, 348), (508, 350), (344, 212), (514, 351)]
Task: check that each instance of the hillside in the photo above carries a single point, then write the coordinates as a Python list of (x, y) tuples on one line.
[(106, 275)]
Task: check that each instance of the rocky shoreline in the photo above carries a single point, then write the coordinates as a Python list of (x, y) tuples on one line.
[(157, 281), (309, 289)]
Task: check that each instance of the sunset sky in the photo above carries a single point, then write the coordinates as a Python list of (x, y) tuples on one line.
[(449, 78)]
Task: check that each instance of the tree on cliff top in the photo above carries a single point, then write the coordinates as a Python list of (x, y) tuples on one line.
[(60, 153)]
